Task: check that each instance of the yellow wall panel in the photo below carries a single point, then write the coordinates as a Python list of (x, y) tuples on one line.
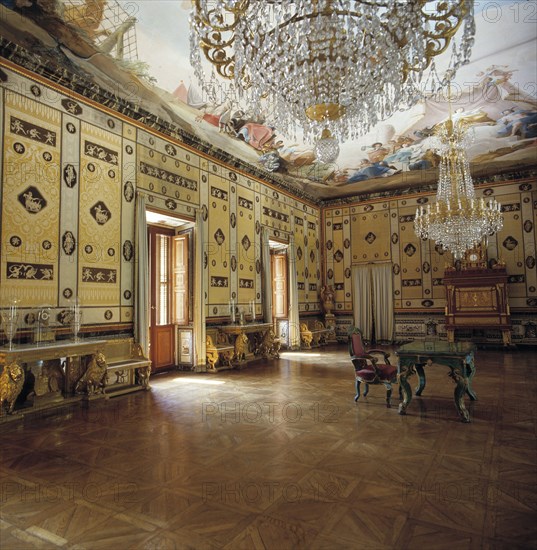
[(221, 251), (248, 248), (100, 248), (313, 245), (30, 202), (168, 176), (336, 249)]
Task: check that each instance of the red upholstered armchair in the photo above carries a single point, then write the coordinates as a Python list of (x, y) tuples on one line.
[(370, 366)]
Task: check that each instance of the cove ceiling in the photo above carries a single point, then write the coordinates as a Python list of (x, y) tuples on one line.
[(496, 93)]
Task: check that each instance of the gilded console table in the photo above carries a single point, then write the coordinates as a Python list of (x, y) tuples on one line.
[(250, 338), (42, 367), (459, 357)]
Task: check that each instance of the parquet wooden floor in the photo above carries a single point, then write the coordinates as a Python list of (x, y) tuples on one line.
[(278, 456)]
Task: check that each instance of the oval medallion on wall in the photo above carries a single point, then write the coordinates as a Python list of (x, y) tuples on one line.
[(128, 250), (70, 176), (19, 148), (128, 191), (72, 107), (15, 241)]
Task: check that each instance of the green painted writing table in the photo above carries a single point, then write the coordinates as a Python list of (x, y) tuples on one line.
[(458, 356)]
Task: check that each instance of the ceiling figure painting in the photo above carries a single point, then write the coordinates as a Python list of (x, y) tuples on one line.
[(496, 93)]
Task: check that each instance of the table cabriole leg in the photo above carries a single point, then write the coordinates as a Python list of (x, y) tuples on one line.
[(404, 372), (460, 390), (470, 372), (421, 375)]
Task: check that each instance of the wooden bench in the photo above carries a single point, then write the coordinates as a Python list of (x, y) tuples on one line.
[(127, 368), (218, 352), (314, 336)]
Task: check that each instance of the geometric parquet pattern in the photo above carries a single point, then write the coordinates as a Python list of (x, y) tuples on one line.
[(278, 456)]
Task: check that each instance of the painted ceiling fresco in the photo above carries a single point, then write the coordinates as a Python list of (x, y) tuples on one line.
[(496, 93)]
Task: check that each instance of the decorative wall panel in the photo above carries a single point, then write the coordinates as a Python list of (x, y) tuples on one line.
[(163, 174), (335, 249), (328, 246), (70, 188), (300, 259), (275, 212), (100, 247), (312, 254), (221, 243), (248, 247), (30, 201), (128, 180), (510, 245)]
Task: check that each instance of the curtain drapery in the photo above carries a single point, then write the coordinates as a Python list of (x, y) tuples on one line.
[(381, 279), (372, 300), (200, 351), (362, 303), (141, 293), (267, 276), (294, 320)]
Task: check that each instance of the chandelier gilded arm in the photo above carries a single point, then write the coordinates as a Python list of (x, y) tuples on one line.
[(216, 29), (212, 25)]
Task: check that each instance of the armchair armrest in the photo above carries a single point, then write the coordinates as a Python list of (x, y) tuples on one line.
[(384, 354), (365, 361)]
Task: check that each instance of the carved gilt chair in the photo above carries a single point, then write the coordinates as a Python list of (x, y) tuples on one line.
[(370, 366)]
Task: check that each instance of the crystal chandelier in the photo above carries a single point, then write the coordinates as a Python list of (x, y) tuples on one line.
[(342, 65), (458, 221)]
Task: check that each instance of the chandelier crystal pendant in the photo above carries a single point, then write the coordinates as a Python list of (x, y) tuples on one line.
[(344, 65), (458, 220), (326, 148)]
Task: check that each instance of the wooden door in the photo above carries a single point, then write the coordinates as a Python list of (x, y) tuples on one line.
[(161, 329), (181, 277), (279, 286)]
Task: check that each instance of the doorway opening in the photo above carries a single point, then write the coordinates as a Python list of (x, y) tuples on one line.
[(279, 272), (170, 288)]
